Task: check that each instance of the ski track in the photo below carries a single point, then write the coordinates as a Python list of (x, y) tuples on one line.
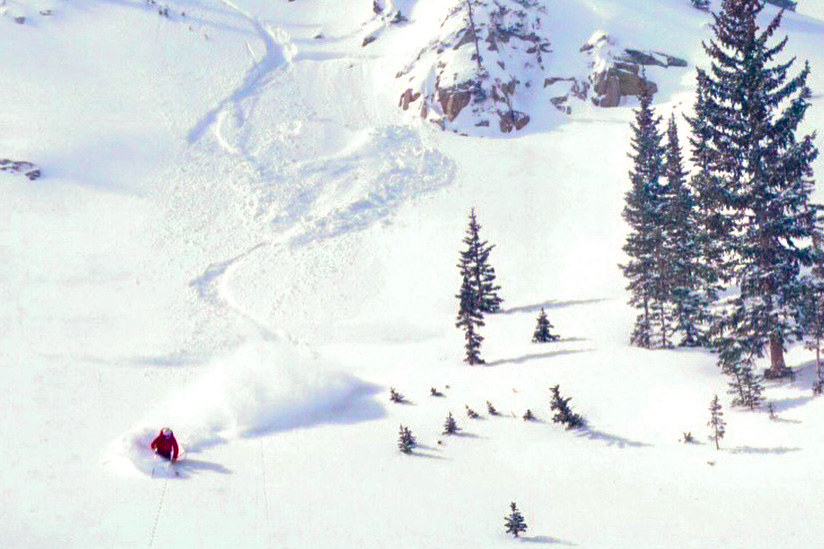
[(279, 51), (211, 287), (303, 197)]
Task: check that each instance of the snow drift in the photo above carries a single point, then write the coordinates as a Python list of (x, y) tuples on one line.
[(260, 388)]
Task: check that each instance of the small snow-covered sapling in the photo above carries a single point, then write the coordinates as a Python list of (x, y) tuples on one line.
[(543, 330), (472, 414), (515, 523), (491, 409), (716, 421), (406, 442), (563, 412), (450, 426), (395, 396), (528, 415), (435, 393), (688, 438)]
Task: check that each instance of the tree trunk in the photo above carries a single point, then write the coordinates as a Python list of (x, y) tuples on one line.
[(474, 36), (777, 364)]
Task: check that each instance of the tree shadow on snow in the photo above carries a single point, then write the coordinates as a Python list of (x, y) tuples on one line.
[(536, 308), (428, 452), (791, 421), (537, 356), (546, 540), (763, 451), (611, 440), (464, 434), (790, 403)]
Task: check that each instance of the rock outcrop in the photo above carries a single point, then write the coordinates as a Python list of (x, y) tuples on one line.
[(16, 166), (612, 74), (618, 75), (490, 69), (486, 62)]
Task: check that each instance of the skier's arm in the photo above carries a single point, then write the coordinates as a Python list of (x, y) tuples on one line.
[(174, 450)]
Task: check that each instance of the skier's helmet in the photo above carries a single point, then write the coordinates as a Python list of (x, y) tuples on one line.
[(166, 432)]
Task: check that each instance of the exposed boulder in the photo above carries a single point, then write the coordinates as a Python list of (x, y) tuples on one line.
[(408, 97), (618, 74), (513, 120), (454, 99), (16, 166)]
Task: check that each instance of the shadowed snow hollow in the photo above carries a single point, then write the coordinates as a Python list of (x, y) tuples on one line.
[(261, 388)]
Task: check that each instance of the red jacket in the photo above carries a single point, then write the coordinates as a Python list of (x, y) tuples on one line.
[(165, 445)]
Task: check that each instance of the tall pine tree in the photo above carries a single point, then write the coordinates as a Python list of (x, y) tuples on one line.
[(811, 310), (645, 244), (711, 225), (758, 174), (474, 265), (680, 245), (469, 320)]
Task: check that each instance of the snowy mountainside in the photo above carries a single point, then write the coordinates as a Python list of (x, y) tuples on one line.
[(238, 233)]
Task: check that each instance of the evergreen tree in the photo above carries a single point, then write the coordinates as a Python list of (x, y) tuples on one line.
[(470, 318), (701, 4), (406, 442), (515, 523), (450, 426), (760, 176), (680, 246), (542, 332), (491, 409), (474, 266), (716, 421), (470, 413), (528, 415), (395, 396), (745, 385), (811, 309), (563, 413), (645, 244), (710, 269)]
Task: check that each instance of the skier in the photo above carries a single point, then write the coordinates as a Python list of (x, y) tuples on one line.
[(165, 444)]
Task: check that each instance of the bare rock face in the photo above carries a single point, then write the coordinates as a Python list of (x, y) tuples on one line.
[(408, 97), (616, 75), (513, 120), (454, 99), (612, 85)]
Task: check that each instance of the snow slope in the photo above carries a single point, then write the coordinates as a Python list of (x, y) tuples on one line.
[(240, 235)]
